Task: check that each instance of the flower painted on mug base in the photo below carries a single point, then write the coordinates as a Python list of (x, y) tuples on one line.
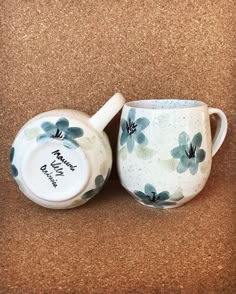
[(61, 131), (99, 183), (151, 197), (189, 153), (14, 170), (132, 130)]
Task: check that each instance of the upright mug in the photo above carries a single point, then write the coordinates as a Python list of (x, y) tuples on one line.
[(165, 149)]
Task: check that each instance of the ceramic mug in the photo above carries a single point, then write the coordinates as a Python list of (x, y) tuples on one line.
[(62, 158), (165, 149)]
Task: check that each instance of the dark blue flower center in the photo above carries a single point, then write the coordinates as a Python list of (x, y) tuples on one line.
[(154, 197), (191, 152), (58, 135), (130, 127)]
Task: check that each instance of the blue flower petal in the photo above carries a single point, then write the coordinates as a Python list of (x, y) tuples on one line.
[(71, 144), (12, 153), (197, 140), (48, 127), (193, 168), (130, 143), (183, 138), (124, 137), (43, 138), (74, 132), (89, 194), (179, 151), (62, 124), (99, 181), (149, 190), (140, 194), (14, 170), (142, 123), (180, 168), (200, 155), (140, 138), (123, 124), (185, 160), (131, 114), (164, 195)]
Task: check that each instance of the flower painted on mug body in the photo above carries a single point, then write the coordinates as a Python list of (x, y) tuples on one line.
[(14, 170), (189, 153), (151, 197), (132, 130), (61, 131), (158, 200)]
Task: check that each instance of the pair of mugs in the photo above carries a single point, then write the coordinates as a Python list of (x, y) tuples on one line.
[(62, 158)]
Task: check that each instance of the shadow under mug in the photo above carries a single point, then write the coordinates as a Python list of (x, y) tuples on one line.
[(165, 149)]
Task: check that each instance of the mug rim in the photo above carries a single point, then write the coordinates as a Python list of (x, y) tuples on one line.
[(152, 104)]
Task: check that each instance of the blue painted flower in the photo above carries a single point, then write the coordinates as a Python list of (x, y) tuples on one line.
[(14, 170), (132, 130), (99, 183), (189, 153), (61, 131), (150, 197)]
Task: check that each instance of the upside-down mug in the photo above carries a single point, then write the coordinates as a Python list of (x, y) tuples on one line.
[(165, 149), (62, 158)]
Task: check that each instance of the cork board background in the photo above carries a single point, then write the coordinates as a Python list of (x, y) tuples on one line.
[(76, 54)]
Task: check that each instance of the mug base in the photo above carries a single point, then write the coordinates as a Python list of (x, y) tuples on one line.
[(157, 207)]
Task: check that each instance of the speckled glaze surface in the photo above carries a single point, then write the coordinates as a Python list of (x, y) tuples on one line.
[(165, 150), (62, 158)]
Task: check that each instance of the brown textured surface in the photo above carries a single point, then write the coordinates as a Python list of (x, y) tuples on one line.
[(115, 245), (75, 54)]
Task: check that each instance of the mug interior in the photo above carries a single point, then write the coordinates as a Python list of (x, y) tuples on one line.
[(165, 104)]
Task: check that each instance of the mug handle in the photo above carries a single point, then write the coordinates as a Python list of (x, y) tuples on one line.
[(221, 129)]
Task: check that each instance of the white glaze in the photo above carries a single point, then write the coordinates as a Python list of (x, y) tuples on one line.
[(61, 158), (151, 162)]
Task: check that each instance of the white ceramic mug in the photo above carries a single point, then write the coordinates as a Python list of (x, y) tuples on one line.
[(62, 158), (165, 149)]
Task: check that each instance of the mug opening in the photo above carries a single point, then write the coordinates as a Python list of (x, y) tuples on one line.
[(165, 104)]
